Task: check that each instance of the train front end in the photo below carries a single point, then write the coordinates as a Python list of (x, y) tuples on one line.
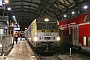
[(47, 36)]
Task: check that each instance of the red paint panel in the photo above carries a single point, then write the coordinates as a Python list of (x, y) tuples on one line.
[(81, 19), (84, 30), (76, 20)]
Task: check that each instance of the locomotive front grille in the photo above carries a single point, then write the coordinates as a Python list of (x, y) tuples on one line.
[(47, 38)]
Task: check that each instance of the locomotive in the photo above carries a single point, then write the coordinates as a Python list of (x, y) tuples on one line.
[(78, 31), (43, 34)]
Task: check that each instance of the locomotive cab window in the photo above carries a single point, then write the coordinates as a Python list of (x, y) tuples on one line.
[(46, 26), (85, 18), (52, 26), (40, 26)]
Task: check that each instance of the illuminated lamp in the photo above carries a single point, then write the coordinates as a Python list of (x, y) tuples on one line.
[(85, 7), (9, 8), (13, 16), (6, 1), (65, 15), (46, 19), (25, 28), (73, 12)]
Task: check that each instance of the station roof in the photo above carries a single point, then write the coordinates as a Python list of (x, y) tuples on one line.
[(27, 10)]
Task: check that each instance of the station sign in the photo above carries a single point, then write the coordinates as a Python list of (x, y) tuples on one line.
[(2, 4), (16, 27)]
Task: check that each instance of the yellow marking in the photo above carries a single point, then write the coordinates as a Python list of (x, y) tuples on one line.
[(47, 30)]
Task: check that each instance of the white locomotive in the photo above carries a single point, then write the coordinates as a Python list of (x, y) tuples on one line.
[(43, 34)]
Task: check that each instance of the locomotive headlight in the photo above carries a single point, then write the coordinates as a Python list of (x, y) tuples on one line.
[(35, 38), (58, 38)]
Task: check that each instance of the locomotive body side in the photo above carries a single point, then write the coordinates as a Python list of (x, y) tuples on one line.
[(78, 31)]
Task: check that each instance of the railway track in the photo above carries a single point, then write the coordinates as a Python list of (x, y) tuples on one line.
[(48, 58), (74, 56), (40, 57)]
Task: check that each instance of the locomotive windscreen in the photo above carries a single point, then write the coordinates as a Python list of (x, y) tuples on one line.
[(51, 25)]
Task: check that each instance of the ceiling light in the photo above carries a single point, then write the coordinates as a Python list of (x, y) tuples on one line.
[(85, 7), (65, 15), (73, 12), (9, 8), (6, 1)]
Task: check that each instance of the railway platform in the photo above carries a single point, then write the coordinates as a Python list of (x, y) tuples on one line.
[(22, 51)]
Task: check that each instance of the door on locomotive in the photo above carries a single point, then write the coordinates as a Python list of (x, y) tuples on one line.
[(75, 35), (89, 41)]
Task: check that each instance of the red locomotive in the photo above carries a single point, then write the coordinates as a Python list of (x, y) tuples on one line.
[(77, 31)]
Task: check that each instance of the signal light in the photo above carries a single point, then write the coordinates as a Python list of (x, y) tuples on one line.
[(25, 28)]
